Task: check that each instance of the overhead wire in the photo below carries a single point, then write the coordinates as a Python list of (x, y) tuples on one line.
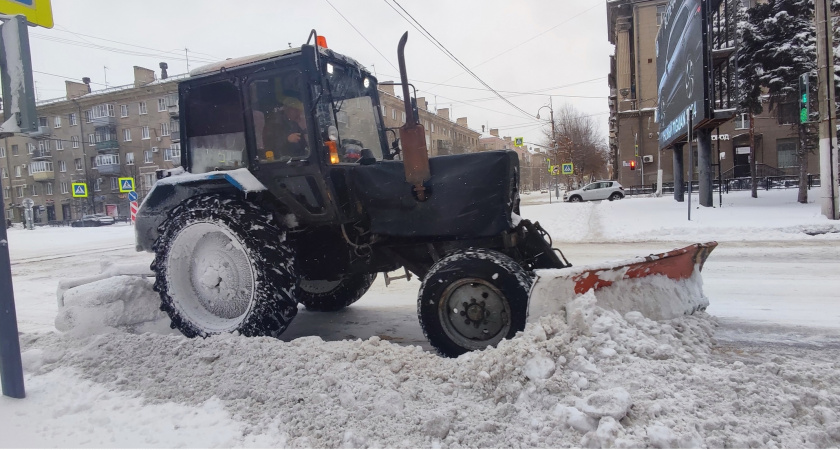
[(362, 35), (449, 54)]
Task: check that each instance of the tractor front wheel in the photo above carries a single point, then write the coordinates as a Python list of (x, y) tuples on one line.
[(473, 299)]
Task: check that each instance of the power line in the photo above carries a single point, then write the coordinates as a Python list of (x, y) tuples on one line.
[(443, 48), (540, 91), (85, 44), (63, 76), (362, 35), (176, 51)]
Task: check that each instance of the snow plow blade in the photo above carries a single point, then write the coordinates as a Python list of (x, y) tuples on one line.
[(662, 286)]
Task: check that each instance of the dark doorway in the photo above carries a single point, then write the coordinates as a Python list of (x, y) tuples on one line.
[(50, 213), (741, 162), (65, 212)]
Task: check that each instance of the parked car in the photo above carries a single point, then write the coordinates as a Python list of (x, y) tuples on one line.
[(599, 190), (93, 220)]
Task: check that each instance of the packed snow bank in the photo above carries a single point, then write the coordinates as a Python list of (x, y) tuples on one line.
[(594, 378), (774, 215), (125, 303)]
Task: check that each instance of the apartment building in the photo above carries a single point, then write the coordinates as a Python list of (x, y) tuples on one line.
[(443, 136), (533, 163), (93, 137), (632, 28)]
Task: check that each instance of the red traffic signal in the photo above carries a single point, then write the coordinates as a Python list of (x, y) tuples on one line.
[(633, 164)]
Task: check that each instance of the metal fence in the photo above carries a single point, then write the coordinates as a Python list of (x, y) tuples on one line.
[(730, 184)]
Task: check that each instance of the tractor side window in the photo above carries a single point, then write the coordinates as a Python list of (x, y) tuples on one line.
[(279, 117), (215, 127)]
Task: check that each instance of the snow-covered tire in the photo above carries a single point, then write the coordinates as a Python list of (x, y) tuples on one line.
[(222, 266), (326, 296), (575, 199), (616, 196), (472, 299)]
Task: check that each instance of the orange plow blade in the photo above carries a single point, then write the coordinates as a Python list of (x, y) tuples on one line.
[(661, 286)]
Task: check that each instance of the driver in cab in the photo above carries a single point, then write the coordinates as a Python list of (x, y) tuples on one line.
[(284, 134)]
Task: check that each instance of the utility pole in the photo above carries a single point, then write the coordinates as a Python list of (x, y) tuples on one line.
[(556, 149), (829, 192)]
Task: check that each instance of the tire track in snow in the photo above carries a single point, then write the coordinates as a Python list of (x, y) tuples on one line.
[(69, 255)]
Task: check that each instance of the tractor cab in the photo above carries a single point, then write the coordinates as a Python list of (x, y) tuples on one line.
[(292, 118)]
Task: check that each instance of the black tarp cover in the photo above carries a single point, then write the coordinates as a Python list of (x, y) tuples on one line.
[(471, 196)]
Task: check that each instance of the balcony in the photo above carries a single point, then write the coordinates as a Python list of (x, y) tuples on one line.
[(38, 155), (108, 169), (107, 146), (173, 110), (104, 121), (44, 176)]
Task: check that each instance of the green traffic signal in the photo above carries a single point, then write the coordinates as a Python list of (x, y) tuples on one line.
[(803, 115)]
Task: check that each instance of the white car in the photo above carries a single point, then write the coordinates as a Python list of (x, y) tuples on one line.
[(599, 190)]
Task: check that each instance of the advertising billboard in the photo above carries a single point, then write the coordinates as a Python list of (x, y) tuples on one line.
[(681, 69)]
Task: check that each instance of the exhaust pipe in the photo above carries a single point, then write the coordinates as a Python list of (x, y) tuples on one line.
[(412, 136)]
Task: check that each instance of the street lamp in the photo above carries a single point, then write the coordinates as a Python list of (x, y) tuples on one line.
[(550, 107)]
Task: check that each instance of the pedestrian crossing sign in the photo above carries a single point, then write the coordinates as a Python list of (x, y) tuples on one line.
[(37, 12), (79, 189), (568, 168), (518, 142), (126, 184)]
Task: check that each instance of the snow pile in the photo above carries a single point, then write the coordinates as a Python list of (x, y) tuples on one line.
[(125, 303)]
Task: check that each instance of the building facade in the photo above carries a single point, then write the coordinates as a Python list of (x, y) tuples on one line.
[(443, 136), (93, 138), (533, 162), (634, 134)]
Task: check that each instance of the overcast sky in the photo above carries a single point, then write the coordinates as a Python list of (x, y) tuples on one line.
[(556, 47)]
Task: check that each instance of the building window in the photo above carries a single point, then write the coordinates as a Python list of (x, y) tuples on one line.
[(786, 151), (7, 192), (42, 122), (148, 180), (142, 108), (433, 127), (73, 119), (144, 132), (403, 117), (2, 152), (100, 111), (97, 184), (43, 146), (30, 148), (3, 173), (114, 184), (147, 156), (88, 116), (393, 114), (129, 159), (19, 191), (174, 128), (787, 113), (59, 144), (78, 162), (107, 160), (123, 110), (384, 111), (126, 134), (57, 122), (17, 171), (49, 189), (173, 153), (164, 129), (660, 14), (742, 121), (33, 190), (74, 141), (40, 167), (62, 166), (64, 187), (161, 104), (91, 139), (14, 150)]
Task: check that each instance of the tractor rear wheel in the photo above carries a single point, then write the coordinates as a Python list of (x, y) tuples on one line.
[(325, 295), (222, 267), (473, 299)]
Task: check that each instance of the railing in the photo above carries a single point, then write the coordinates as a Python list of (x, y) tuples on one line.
[(730, 184), (761, 171), (112, 144)]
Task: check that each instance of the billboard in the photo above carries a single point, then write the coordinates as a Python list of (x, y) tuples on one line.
[(681, 69)]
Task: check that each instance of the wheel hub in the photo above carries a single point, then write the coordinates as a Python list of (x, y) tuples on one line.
[(474, 313)]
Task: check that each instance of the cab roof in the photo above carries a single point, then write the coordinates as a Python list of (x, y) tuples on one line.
[(231, 63)]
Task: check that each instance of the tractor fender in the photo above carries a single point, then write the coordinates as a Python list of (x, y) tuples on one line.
[(169, 192)]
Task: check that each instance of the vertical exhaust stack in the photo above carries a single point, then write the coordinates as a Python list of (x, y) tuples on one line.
[(412, 136)]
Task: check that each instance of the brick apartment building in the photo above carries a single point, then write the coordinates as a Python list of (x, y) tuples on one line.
[(93, 138)]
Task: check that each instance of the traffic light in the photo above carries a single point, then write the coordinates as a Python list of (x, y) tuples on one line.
[(632, 164), (804, 110)]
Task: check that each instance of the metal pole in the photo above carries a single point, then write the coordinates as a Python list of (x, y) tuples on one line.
[(690, 157), (11, 369), (828, 133)]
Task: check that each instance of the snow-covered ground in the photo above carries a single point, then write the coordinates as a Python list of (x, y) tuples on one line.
[(759, 370)]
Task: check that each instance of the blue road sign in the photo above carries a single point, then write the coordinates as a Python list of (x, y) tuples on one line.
[(568, 168), (132, 196)]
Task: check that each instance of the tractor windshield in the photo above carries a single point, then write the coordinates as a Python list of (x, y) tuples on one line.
[(350, 107)]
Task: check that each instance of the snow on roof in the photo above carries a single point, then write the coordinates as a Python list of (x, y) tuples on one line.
[(240, 61)]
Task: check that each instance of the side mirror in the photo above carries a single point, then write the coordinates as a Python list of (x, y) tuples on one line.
[(395, 145)]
